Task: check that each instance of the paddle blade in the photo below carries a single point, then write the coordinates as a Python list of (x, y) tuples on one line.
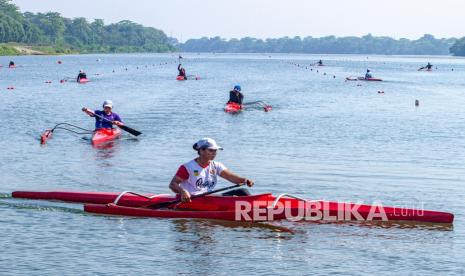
[(130, 130)]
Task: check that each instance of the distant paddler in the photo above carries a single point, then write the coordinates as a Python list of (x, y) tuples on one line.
[(368, 74), (428, 67), (82, 76), (235, 95), (181, 72), (105, 118)]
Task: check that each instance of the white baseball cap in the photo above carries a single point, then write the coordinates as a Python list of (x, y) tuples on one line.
[(207, 143), (108, 103)]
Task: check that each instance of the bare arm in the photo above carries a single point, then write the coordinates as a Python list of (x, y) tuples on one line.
[(230, 176), (176, 188), (88, 111), (175, 184)]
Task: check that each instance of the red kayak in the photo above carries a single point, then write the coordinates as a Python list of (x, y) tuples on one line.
[(262, 207), (233, 107), (12, 66), (104, 135), (180, 78), (83, 81)]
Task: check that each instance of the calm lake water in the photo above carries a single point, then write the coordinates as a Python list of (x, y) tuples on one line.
[(324, 139)]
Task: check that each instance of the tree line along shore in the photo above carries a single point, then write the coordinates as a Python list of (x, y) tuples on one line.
[(49, 33)]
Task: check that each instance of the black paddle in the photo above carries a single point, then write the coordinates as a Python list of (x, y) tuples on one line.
[(169, 203), (123, 127)]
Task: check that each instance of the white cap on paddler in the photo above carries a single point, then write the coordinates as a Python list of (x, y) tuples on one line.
[(206, 143), (108, 103)]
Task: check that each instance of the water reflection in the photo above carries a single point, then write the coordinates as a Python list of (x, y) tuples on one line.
[(205, 226), (385, 224), (105, 152)]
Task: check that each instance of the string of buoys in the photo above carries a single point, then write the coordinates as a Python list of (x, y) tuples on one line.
[(309, 67), (380, 92), (62, 81)]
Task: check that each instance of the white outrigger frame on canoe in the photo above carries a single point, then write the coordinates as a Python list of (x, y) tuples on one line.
[(136, 194), (273, 205)]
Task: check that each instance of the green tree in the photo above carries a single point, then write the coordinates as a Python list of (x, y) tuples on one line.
[(458, 49)]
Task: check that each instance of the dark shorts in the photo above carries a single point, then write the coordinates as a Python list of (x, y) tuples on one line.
[(237, 192)]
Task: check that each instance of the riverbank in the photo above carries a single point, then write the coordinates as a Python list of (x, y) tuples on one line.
[(8, 51), (11, 49)]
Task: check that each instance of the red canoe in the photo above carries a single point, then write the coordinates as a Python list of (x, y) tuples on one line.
[(262, 207), (233, 108), (104, 135), (83, 81)]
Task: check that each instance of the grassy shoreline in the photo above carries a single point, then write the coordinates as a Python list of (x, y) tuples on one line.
[(15, 49), (6, 50)]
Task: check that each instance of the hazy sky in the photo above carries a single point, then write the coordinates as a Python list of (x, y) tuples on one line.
[(272, 18)]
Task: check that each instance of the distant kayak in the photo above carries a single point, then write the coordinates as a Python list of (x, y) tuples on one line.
[(104, 135), (232, 108), (362, 79), (368, 79), (84, 80), (181, 78), (11, 66)]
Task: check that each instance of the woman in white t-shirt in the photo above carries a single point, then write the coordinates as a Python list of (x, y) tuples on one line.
[(200, 174)]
